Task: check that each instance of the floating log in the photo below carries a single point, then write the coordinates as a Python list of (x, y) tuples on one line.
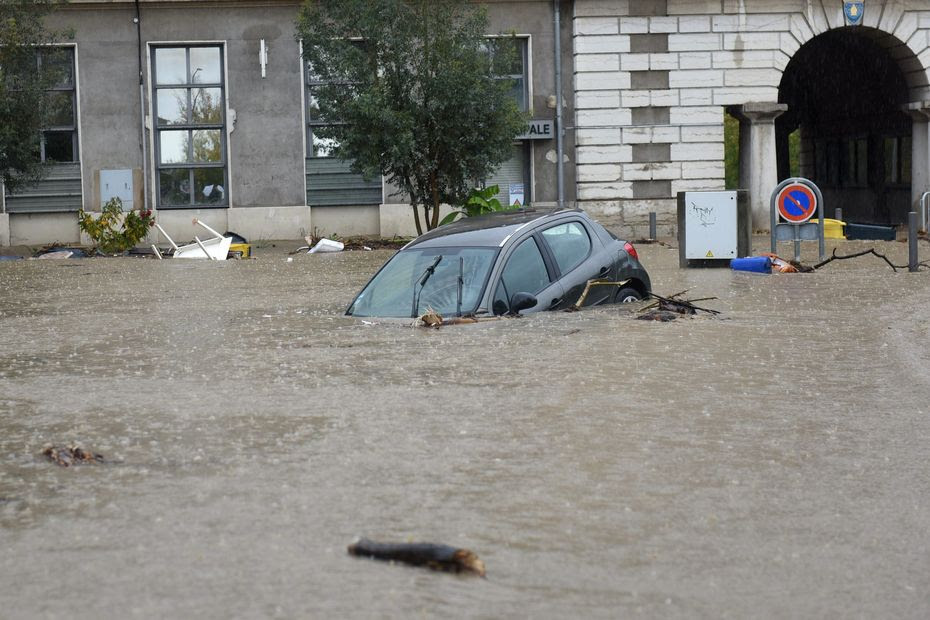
[(430, 555), (70, 455)]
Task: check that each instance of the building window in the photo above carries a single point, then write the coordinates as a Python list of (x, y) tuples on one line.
[(330, 180), (898, 160), (59, 140), (510, 63), (190, 143)]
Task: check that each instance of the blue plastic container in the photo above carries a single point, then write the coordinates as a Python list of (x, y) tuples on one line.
[(755, 264)]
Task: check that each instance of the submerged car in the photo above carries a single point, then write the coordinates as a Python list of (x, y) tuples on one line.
[(504, 263)]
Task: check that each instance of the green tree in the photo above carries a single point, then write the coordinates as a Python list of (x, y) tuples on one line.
[(24, 100), (410, 88)]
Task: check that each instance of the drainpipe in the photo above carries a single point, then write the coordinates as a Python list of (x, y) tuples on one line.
[(560, 166), (145, 176)]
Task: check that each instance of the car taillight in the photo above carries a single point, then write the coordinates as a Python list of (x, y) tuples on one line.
[(630, 250)]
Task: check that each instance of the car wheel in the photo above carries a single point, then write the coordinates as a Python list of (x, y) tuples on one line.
[(627, 295)]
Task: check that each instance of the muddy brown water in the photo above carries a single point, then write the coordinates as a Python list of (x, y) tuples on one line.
[(769, 463)]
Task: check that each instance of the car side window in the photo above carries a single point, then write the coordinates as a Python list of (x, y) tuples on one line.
[(525, 272), (570, 244)]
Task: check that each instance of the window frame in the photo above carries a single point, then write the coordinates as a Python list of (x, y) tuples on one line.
[(555, 261), (69, 87), (190, 125)]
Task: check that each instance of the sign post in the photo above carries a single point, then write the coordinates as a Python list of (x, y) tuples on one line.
[(796, 201)]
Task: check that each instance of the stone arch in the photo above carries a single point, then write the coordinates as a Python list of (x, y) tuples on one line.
[(847, 91)]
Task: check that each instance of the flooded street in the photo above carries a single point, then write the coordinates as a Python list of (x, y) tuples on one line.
[(768, 463)]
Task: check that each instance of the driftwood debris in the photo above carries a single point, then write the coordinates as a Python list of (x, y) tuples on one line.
[(670, 308), (70, 455), (863, 253), (587, 288), (431, 318), (429, 555)]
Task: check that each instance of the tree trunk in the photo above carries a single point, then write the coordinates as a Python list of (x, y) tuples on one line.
[(416, 218)]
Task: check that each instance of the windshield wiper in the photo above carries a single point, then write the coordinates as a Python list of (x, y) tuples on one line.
[(429, 271)]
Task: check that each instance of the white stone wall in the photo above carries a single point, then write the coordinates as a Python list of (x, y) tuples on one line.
[(718, 53)]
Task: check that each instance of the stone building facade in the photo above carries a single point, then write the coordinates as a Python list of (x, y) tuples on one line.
[(655, 78)]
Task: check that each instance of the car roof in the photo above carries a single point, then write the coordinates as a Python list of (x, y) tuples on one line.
[(485, 230)]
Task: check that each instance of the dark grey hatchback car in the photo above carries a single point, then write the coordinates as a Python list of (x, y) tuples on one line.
[(515, 261)]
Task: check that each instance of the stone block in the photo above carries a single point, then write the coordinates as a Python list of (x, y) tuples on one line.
[(696, 96), (697, 42), (663, 98), (695, 60), (751, 41), (698, 185), (649, 7), (604, 154), (663, 62), (603, 8), (696, 115), (651, 152), (703, 170), (597, 62), (649, 80), (651, 189), (598, 136), (743, 59), (604, 191), (649, 43), (694, 23), (634, 62), (744, 94), (635, 98), (599, 172), (604, 44), (702, 133), (597, 99), (597, 118), (695, 79), (650, 116), (663, 24), (602, 80), (697, 151), (693, 7), (596, 25), (634, 25), (751, 77)]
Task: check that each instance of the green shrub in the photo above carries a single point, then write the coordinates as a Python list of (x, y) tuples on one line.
[(112, 233)]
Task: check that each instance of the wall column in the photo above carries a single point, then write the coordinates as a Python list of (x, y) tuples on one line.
[(758, 159), (920, 150)]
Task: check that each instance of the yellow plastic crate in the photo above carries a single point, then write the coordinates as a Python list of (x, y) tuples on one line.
[(243, 250), (833, 229)]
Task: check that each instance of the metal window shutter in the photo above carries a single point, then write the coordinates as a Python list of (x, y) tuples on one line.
[(331, 182), (511, 171), (59, 190)]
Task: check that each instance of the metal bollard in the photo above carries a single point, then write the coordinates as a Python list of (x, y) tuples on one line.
[(652, 225), (912, 241), (838, 214)]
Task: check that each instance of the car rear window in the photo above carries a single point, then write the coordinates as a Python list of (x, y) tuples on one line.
[(569, 244)]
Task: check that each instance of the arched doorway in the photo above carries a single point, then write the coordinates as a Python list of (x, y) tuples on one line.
[(846, 92)]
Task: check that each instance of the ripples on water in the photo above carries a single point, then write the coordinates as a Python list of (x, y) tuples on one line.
[(771, 462)]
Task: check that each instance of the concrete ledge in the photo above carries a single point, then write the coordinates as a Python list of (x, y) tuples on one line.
[(346, 221), (42, 228), (397, 220), (4, 227), (262, 223)]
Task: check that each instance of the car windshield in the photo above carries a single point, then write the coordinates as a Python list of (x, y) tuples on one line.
[(396, 290)]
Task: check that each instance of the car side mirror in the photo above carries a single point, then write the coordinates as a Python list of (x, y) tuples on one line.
[(521, 301)]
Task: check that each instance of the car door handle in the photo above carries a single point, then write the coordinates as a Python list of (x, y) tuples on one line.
[(555, 302)]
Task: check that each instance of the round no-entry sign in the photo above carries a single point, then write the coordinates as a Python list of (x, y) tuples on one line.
[(796, 203)]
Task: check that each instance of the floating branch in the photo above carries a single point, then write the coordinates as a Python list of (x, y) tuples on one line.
[(429, 555)]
